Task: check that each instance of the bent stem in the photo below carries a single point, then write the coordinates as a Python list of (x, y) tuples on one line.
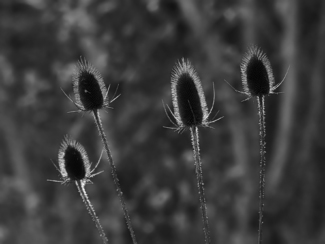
[(261, 114), (81, 188), (200, 183), (114, 174)]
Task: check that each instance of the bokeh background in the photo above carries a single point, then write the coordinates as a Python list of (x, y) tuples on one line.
[(134, 44)]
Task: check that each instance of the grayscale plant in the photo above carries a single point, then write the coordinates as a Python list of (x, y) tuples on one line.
[(258, 81), (191, 112), (74, 166), (91, 95)]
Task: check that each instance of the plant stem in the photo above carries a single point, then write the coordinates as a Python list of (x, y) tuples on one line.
[(261, 114), (200, 183), (81, 188), (114, 174)]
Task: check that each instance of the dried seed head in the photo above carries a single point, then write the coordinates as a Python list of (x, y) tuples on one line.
[(256, 73), (189, 102), (89, 88), (73, 161)]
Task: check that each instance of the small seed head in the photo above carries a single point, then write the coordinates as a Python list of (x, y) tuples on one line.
[(73, 161), (256, 73), (189, 102), (89, 88)]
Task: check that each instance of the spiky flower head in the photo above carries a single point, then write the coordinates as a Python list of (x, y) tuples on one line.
[(190, 108), (74, 164), (89, 88), (256, 73)]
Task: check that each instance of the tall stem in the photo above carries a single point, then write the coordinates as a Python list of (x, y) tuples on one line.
[(81, 188), (200, 183), (114, 175), (261, 114)]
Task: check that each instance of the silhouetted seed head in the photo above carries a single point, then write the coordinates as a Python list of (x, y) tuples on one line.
[(89, 88), (256, 73), (189, 103), (73, 161)]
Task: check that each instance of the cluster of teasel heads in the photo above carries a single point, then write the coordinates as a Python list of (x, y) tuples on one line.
[(91, 95), (189, 112)]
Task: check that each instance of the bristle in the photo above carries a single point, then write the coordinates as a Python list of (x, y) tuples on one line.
[(89, 87), (189, 103), (73, 161), (256, 72)]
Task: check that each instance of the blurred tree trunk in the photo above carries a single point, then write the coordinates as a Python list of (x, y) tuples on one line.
[(307, 160), (283, 139), (296, 139), (316, 101), (22, 180)]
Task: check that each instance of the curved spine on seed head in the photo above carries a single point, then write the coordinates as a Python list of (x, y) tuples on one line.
[(89, 88), (190, 108)]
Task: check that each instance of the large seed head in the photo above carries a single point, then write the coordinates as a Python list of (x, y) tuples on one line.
[(189, 103), (89, 87), (256, 72)]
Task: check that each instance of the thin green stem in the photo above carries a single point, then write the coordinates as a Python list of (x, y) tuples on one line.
[(261, 114), (200, 183), (114, 174), (81, 188)]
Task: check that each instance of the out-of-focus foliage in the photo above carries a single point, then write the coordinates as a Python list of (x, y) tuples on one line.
[(134, 44)]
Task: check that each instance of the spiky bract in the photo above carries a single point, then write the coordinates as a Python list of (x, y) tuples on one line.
[(190, 108), (256, 73), (88, 87), (74, 164)]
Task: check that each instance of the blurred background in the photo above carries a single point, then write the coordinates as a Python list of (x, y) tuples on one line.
[(135, 44)]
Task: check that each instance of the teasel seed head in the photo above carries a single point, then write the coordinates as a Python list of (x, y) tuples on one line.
[(256, 73), (190, 108), (74, 164), (89, 88)]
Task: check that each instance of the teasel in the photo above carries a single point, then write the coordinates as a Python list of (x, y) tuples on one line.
[(91, 95), (258, 81), (191, 112), (74, 166)]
